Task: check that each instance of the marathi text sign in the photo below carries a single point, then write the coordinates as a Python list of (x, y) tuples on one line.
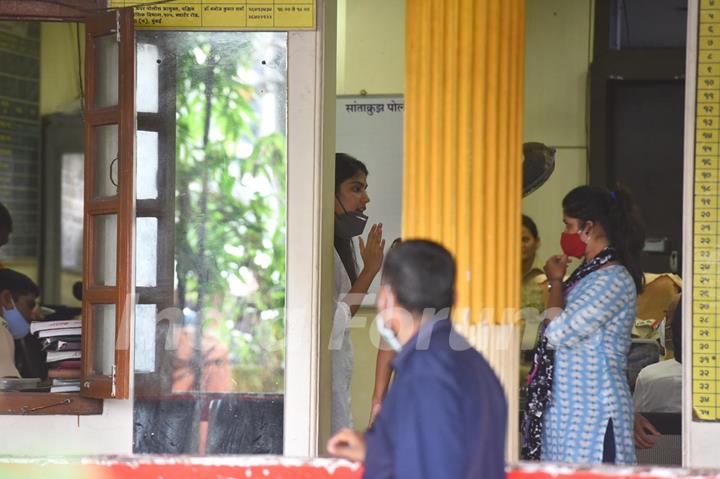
[(222, 14)]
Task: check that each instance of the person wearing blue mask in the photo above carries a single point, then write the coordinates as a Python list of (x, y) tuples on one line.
[(446, 414), (351, 286), (18, 299)]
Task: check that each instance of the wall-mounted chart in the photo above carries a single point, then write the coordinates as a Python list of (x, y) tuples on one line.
[(706, 268)]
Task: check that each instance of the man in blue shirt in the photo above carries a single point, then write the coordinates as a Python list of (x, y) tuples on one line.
[(445, 414)]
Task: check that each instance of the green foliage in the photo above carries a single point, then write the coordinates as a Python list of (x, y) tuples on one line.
[(231, 207)]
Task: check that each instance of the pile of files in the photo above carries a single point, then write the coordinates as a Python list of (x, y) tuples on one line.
[(62, 341)]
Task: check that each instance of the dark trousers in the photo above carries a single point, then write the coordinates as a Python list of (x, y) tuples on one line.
[(609, 444)]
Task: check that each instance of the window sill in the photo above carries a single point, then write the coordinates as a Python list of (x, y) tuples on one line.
[(40, 403)]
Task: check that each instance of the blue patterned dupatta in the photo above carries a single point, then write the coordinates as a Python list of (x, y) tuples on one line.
[(541, 376)]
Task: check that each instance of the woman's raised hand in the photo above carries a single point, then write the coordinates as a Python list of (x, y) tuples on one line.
[(373, 251), (556, 267)]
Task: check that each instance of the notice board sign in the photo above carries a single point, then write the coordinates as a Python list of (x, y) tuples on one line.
[(221, 14)]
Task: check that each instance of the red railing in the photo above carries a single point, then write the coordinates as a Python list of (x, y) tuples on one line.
[(273, 467)]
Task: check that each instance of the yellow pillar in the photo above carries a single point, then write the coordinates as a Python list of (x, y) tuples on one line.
[(463, 153)]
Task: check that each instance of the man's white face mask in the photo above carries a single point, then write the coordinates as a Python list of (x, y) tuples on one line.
[(386, 333)]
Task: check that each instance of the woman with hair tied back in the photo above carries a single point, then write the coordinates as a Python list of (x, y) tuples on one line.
[(579, 406), (351, 286)]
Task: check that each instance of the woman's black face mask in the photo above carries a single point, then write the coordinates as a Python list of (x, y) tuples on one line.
[(349, 225)]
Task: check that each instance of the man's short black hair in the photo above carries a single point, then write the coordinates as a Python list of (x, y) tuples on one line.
[(5, 219), (421, 274), (17, 283)]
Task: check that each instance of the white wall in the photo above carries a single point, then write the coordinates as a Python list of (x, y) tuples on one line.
[(371, 47), (109, 433)]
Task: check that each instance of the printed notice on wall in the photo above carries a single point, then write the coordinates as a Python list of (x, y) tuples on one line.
[(221, 14)]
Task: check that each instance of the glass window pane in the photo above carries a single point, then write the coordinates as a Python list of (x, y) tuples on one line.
[(146, 245), (103, 338), (71, 211), (105, 243), (148, 62), (227, 319), (147, 165), (106, 79), (145, 338), (106, 161)]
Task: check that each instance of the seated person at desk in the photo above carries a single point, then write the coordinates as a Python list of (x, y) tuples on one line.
[(654, 308), (18, 296), (7, 352), (659, 386)]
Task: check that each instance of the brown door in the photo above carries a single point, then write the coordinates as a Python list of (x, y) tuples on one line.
[(646, 155)]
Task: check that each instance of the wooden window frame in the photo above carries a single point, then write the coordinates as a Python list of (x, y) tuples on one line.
[(95, 387), (122, 295), (34, 404)]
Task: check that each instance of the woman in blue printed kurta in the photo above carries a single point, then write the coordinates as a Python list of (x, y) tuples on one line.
[(591, 340), (590, 418)]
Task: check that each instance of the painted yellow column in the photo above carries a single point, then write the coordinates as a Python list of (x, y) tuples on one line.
[(463, 153)]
